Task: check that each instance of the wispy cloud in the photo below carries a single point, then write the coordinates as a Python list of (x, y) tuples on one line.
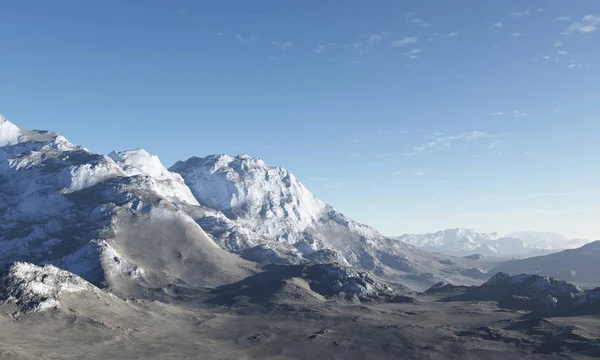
[(377, 38), (497, 25), (452, 34), (588, 24), (513, 113), (414, 53), (520, 14), (407, 40), (246, 40), (283, 45), (412, 19), (558, 43), (320, 49), (396, 173), (516, 34), (439, 141), (563, 18), (557, 194)]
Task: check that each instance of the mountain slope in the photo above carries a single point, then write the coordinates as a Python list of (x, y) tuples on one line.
[(62, 205), (252, 208), (580, 266)]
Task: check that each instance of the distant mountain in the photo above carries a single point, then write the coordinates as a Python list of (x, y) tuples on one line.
[(580, 266), (548, 240), (467, 242)]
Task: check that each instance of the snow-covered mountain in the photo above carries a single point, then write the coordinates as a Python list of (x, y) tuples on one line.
[(467, 242), (126, 223), (82, 212), (548, 240)]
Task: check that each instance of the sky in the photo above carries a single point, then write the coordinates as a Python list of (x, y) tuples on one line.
[(409, 116)]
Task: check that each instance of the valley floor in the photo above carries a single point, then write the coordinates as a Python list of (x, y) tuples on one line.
[(427, 329)]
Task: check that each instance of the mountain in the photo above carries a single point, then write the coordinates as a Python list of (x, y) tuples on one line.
[(548, 240), (580, 266), (264, 212), (102, 220), (467, 242)]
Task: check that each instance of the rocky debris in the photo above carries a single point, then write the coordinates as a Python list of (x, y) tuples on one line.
[(34, 288)]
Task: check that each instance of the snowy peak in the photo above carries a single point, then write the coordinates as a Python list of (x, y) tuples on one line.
[(245, 187), (9, 132), (167, 184)]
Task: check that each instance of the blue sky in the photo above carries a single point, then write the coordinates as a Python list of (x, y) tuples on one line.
[(410, 116)]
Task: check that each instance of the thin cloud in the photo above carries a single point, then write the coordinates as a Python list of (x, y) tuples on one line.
[(411, 19), (452, 34), (414, 53), (497, 25), (588, 24), (439, 142), (407, 40), (558, 194), (516, 34), (520, 14), (246, 40), (558, 43), (563, 18), (320, 49), (377, 38), (283, 45), (513, 113)]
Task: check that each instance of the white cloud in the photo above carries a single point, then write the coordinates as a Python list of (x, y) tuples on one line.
[(319, 49), (377, 38), (439, 141), (396, 173), (283, 45), (273, 58), (563, 52), (246, 40), (410, 17), (414, 53), (558, 43), (520, 14), (516, 34), (497, 25), (452, 34), (588, 24), (563, 18), (405, 41), (513, 113)]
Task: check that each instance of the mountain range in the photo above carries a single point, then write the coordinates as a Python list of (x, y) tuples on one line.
[(467, 242), (125, 222)]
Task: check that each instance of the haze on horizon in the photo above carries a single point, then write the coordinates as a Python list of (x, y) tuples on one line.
[(407, 118)]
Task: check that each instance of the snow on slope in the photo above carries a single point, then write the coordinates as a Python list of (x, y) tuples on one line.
[(466, 242), (270, 201), (35, 288), (167, 184)]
